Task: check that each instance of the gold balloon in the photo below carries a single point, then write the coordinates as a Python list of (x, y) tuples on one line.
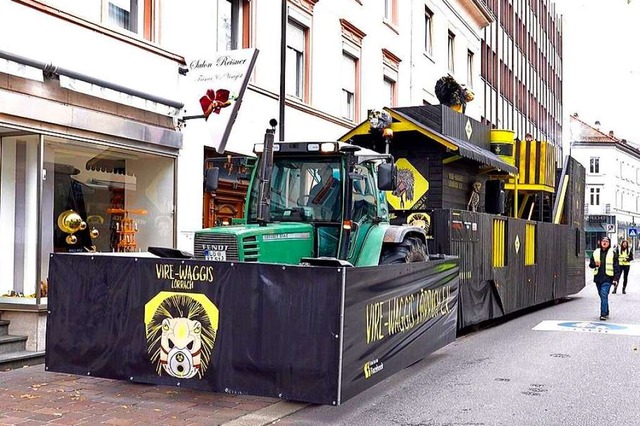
[(69, 221), (94, 233), (71, 239)]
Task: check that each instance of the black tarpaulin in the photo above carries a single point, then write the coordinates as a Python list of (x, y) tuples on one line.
[(313, 334)]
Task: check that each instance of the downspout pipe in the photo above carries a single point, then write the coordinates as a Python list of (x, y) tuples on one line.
[(49, 68)]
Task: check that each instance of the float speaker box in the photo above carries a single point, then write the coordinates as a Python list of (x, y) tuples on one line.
[(494, 196)]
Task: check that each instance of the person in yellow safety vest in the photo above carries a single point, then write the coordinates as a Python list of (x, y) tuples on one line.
[(606, 271), (625, 256)]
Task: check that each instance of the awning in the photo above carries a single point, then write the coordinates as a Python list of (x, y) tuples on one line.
[(464, 148), (594, 227)]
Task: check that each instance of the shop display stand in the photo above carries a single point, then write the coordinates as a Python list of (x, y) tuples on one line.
[(126, 229)]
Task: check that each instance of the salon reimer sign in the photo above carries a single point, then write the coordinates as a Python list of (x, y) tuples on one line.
[(216, 86)]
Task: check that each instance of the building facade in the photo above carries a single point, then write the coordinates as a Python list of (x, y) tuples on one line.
[(90, 113), (612, 205), (522, 70)]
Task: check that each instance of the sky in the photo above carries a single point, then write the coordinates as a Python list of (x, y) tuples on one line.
[(601, 61)]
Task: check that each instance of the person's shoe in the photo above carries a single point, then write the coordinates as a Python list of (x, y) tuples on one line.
[(615, 290), (624, 291), (603, 318)]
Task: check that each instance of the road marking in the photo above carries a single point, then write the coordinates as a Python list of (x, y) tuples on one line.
[(600, 327)]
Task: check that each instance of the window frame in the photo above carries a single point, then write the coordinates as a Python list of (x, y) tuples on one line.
[(300, 59), (352, 46), (594, 165), (147, 19), (391, 12), (594, 196), (470, 68), (349, 110), (391, 74), (451, 52), (428, 31), (240, 35)]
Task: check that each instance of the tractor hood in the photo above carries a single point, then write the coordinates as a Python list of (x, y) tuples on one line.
[(279, 242)]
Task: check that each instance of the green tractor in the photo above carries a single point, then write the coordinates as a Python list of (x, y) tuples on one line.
[(316, 203)]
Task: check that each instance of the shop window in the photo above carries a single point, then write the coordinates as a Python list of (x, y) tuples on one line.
[(19, 218), (127, 197)]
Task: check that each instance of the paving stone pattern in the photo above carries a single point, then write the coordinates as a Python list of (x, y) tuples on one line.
[(33, 396)]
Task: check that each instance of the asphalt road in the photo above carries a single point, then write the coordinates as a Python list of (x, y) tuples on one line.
[(510, 374)]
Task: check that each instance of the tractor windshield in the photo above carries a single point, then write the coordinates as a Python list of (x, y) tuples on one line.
[(302, 190)]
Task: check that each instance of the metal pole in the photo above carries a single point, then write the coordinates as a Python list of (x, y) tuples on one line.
[(283, 66)]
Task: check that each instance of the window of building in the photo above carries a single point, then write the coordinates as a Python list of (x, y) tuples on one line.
[(296, 56), (129, 16), (390, 66), (470, 69), (349, 72), (389, 91), (428, 28), (135, 16), (594, 165), (594, 196), (391, 11), (233, 24), (451, 52)]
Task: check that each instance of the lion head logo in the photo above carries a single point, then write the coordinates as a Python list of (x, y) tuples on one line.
[(181, 331)]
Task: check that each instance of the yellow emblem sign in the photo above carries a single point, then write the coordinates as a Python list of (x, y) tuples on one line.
[(411, 186)]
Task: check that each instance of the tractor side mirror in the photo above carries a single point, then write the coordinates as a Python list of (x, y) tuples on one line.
[(387, 177), (211, 179)]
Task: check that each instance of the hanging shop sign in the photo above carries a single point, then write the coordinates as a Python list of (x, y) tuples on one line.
[(216, 85)]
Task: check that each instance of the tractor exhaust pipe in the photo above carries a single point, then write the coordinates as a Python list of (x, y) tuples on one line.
[(266, 164)]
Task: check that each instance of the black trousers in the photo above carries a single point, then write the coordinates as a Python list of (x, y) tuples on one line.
[(625, 275)]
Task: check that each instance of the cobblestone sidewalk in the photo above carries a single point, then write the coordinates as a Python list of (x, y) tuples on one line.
[(33, 396)]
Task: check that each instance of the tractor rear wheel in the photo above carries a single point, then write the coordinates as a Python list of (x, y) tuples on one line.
[(410, 250)]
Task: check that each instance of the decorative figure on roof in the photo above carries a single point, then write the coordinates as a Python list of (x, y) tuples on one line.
[(474, 200), (379, 120), (405, 187), (452, 94)]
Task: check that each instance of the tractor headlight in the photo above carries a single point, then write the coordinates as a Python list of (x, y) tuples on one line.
[(329, 147)]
